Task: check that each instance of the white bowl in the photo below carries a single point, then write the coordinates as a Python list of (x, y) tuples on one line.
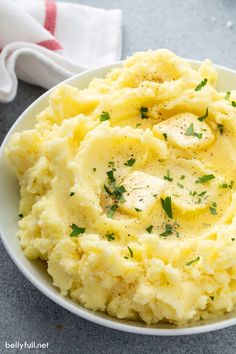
[(35, 271)]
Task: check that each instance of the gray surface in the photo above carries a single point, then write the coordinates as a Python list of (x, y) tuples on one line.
[(187, 28)]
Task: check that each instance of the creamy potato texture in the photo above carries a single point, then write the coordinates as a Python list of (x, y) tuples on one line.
[(127, 191)]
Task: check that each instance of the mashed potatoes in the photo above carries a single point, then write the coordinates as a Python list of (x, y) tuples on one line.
[(127, 191)]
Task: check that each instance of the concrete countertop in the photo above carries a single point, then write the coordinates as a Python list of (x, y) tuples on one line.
[(193, 29)]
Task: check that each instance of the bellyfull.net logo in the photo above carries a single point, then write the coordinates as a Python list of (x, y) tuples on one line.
[(26, 345)]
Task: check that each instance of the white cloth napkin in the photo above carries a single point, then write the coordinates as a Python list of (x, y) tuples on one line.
[(44, 42)]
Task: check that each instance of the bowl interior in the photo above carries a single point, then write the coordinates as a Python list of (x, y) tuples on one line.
[(35, 271)]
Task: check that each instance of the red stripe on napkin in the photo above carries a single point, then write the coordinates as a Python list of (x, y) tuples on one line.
[(49, 25), (51, 44), (50, 16)]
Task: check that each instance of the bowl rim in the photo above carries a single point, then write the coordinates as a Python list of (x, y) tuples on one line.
[(62, 301)]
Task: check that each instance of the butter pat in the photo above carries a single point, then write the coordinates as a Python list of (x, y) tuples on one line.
[(142, 192), (186, 131)]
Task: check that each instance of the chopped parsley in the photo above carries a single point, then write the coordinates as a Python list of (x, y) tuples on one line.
[(182, 177), (119, 190), (212, 298), (190, 132), (76, 230), (118, 194), (202, 194), (20, 215), (204, 116), (104, 116), (130, 162), (107, 190), (205, 178), (138, 125), (165, 136), (71, 194), (227, 95), (227, 185), (201, 85), (213, 208), (221, 128), (110, 175), (137, 209), (94, 169), (143, 112), (168, 231), (233, 103), (130, 252), (167, 177), (149, 229), (166, 205), (111, 164), (213, 211), (111, 210), (180, 185), (193, 261), (110, 236)]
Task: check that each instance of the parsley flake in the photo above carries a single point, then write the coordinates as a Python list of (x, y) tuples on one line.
[(20, 215), (143, 112), (110, 236), (137, 209), (221, 128), (149, 229), (166, 205), (71, 194), (204, 116), (76, 230), (212, 297), (202, 194), (168, 231), (190, 132), (233, 103), (167, 177), (201, 85), (107, 190), (111, 210), (227, 185), (193, 261), (165, 136), (213, 211), (227, 95), (111, 164), (110, 175), (130, 252), (213, 208), (130, 162), (104, 116), (205, 178), (117, 193)]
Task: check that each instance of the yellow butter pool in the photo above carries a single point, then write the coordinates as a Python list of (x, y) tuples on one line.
[(128, 193)]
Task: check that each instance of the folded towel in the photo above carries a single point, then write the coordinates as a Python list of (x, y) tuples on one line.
[(44, 42)]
